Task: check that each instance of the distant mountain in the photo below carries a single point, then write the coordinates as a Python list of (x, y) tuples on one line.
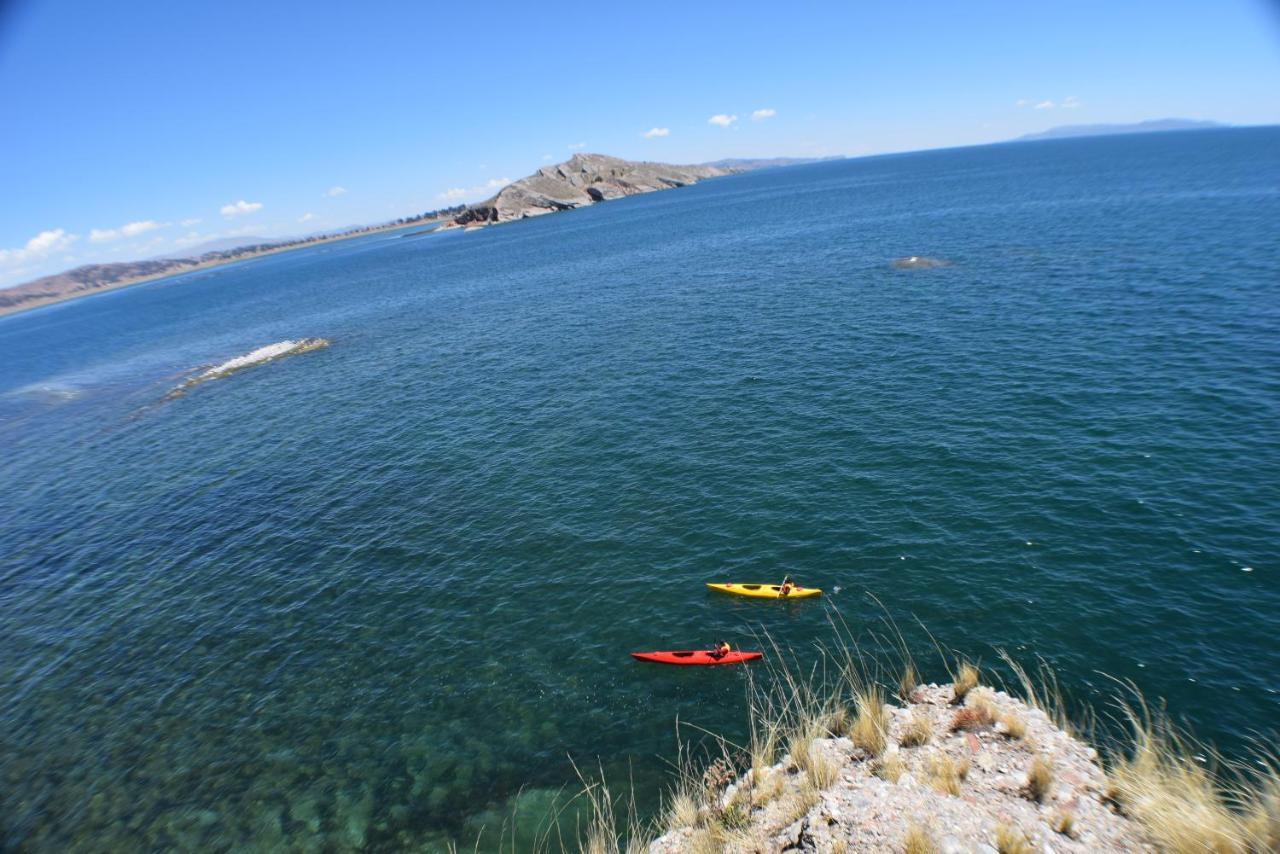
[(749, 163), (583, 179), (1149, 126)]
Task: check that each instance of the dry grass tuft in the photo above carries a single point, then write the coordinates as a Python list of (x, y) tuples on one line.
[(800, 747), (717, 839), (1064, 822), (964, 681), (823, 770), (908, 682), (1014, 726), (1011, 840), (680, 810), (946, 774), (798, 803), (918, 731), (871, 725), (602, 834), (889, 767), (918, 841), (1261, 815), (765, 788), (1039, 779), (838, 721), (1180, 802)]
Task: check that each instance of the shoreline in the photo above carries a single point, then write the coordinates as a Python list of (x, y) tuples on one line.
[(11, 311)]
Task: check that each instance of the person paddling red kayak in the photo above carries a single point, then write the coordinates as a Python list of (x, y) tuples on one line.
[(722, 654)]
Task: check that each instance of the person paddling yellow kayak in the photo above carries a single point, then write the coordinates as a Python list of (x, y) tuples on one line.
[(768, 591)]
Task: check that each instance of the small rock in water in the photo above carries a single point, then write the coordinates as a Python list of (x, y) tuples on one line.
[(918, 262)]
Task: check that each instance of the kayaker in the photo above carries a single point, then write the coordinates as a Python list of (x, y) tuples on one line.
[(721, 650), (787, 586)]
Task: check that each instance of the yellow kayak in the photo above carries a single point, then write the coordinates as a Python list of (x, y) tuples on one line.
[(765, 591)]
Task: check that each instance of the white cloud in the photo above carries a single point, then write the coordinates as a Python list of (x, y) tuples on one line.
[(187, 223), (1045, 105), (455, 194), (577, 146), (45, 243), (240, 208), (761, 115), (1022, 102), (307, 217), (722, 120), (652, 132), (130, 229), (334, 192), (546, 157), (1071, 102)]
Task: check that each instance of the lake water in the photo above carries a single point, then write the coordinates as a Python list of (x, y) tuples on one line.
[(359, 597)]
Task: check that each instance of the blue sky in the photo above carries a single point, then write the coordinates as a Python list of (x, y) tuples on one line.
[(134, 129)]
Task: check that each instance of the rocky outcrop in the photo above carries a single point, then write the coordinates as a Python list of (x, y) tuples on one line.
[(919, 262), (993, 774), (260, 356), (584, 179)]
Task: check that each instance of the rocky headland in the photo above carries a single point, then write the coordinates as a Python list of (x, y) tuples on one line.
[(583, 179)]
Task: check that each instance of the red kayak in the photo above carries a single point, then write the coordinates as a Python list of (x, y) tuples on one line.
[(697, 656)]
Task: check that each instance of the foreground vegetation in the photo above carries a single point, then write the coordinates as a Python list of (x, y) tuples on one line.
[(1168, 791)]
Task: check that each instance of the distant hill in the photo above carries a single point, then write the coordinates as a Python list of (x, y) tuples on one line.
[(221, 245), (583, 179), (748, 163), (1149, 126)]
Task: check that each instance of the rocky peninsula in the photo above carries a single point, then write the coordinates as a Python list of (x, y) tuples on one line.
[(583, 179)]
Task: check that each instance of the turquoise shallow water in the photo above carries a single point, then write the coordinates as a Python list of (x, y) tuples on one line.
[(359, 597)]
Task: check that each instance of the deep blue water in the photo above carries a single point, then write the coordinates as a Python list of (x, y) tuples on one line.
[(357, 597)]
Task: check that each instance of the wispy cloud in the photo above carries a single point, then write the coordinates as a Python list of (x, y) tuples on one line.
[(546, 157), (722, 119), (761, 115), (187, 223), (241, 208), (577, 146), (456, 194), (1071, 102), (43, 244), (131, 229), (334, 192), (652, 132), (307, 217)]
